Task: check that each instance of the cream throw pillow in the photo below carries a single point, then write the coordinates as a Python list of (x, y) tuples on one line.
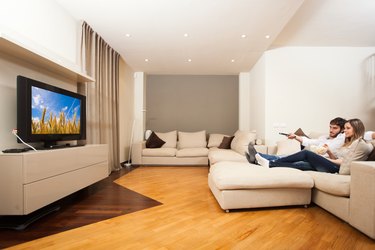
[(192, 140), (215, 140), (288, 147), (170, 139), (241, 141)]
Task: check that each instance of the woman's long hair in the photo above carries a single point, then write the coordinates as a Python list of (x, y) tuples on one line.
[(358, 131)]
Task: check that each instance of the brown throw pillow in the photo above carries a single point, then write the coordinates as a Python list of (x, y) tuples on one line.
[(225, 143), (154, 141), (300, 132), (371, 156)]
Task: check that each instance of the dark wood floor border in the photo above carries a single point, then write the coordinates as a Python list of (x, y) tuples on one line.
[(100, 201)]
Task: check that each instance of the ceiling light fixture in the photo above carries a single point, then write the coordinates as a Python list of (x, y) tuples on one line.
[(267, 36), (243, 36), (186, 35), (146, 60), (232, 60), (127, 35), (189, 60)]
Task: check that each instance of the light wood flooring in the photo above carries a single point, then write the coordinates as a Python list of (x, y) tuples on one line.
[(190, 218)]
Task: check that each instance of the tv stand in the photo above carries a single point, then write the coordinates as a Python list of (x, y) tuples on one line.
[(35, 179)]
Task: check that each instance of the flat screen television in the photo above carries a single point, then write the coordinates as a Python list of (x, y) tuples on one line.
[(49, 114)]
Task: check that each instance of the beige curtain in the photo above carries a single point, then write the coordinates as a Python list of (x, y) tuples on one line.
[(101, 62)]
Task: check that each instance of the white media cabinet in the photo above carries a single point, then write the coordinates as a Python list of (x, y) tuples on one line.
[(32, 180)]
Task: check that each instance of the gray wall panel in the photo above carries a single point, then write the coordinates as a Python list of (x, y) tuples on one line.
[(192, 103)]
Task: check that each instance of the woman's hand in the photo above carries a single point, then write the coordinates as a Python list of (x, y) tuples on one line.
[(329, 152)]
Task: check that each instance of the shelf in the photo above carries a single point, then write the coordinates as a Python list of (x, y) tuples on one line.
[(14, 48)]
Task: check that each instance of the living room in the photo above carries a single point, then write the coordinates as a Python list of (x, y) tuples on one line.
[(289, 85)]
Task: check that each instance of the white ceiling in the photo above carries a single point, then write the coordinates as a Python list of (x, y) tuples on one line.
[(214, 29)]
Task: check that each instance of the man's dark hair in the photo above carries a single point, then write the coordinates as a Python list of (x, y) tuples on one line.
[(339, 122)]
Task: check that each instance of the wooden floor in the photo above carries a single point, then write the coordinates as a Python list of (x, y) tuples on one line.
[(190, 218)]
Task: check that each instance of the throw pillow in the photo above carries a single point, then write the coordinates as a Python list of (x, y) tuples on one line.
[(371, 156), (192, 140), (226, 142), (170, 139), (154, 141), (215, 140), (300, 132), (287, 147), (241, 141)]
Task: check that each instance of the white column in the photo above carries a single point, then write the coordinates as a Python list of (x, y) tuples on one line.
[(244, 101), (139, 106)]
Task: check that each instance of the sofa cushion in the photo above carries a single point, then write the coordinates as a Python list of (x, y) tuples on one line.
[(240, 175), (192, 152), (157, 152), (153, 141), (226, 142), (215, 139), (192, 140), (170, 139), (334, 184), (288, 146), (241, 141), (216, 155)]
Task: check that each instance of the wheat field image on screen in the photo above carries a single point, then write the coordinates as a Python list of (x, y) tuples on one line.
[(54, 113)]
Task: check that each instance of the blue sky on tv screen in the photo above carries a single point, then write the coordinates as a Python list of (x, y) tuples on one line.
[(55, 103)]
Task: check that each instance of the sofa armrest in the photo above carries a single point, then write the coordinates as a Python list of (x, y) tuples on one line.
[(362, 197), (272, 150), (136, 154)]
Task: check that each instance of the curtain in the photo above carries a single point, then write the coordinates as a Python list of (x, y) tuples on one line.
[(101, 62)]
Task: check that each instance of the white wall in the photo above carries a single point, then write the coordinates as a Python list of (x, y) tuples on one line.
[(308, 86), (41, 23), (257, 98), (244, 101)]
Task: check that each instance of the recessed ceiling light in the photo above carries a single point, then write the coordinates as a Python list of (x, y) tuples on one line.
[(267, 36), (189, 60), (127, 35), (243, 36), (232, 60), (146, 60), (186, 35)]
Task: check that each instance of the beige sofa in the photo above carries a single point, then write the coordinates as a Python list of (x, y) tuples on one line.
[(237, 185), (192, 148)]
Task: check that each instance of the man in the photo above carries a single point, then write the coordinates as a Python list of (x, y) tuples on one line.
[(333, 141)]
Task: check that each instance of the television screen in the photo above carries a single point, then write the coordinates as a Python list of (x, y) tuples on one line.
[(48, 114), (54, 113)]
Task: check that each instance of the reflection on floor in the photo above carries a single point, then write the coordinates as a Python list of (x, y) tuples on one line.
[(101, 201)]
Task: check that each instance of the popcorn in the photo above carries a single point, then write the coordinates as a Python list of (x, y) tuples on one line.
[(318, 149)]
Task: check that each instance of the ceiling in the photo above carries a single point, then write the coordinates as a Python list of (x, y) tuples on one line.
[(220, 37)]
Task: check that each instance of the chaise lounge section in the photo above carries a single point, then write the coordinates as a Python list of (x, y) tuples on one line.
[(237, 185)]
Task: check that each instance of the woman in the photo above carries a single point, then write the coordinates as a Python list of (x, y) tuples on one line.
[(354, 148)]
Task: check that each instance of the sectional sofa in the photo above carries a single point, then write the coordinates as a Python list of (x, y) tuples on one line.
[(239, 185)]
